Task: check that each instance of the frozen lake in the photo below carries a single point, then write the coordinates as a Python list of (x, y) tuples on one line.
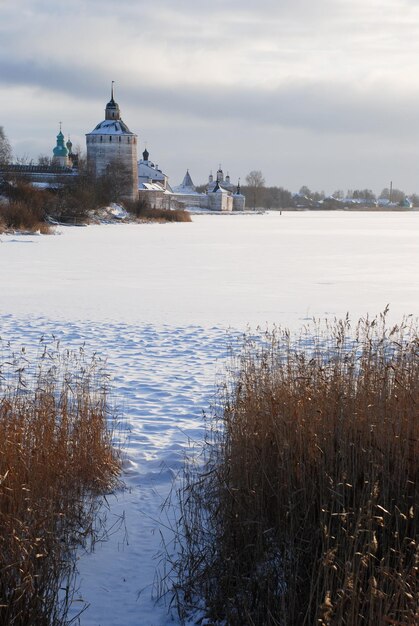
[(155, 301), (230, 270)]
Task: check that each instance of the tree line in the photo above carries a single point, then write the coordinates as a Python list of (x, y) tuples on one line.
[(86, 192), (258, 195)]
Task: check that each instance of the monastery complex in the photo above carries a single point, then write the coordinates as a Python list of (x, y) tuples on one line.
[(111, 144)]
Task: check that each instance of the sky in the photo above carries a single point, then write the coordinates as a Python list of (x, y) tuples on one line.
[(322, 93)]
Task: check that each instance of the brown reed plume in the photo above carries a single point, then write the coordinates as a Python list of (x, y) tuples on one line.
[(305, 511), (56, 458)]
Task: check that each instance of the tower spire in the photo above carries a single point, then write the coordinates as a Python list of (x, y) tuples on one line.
[(112, 111)]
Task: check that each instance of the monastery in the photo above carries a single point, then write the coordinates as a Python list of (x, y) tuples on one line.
[(112, 144)]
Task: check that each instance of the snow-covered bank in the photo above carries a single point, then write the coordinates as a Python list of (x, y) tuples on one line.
[(155, 300)]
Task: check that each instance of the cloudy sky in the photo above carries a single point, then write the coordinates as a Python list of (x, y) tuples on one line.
[(323, 93)]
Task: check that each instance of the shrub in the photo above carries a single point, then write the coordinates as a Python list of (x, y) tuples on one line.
[(141, 210), (21, 216), (167, 215), (56, 457), (306, 509)]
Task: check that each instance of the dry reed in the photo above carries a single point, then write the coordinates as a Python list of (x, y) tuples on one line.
[(56, 457), (305, 511)]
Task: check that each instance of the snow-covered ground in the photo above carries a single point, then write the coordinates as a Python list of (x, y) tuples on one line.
[(162, 303)]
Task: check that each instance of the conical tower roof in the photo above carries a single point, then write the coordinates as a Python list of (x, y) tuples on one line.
[(187, 181)]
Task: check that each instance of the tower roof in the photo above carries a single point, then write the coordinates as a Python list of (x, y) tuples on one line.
[(112, 111), (112, 124), (60, 150), (187, 181), (111, 127)]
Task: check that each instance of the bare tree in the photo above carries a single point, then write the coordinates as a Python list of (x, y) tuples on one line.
[(5, 149), (394, 195), (256, 183), (305, 191), (44, 159), (363, 194)]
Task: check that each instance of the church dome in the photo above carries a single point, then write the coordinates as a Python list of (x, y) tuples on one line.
[(60, 150)]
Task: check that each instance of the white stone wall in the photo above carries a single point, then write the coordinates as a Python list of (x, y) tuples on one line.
[(238, 202), (106, 149), (193, 200), (220, 201), (156, 199)]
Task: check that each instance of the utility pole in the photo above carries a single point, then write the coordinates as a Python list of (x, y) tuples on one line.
[(391, 190)]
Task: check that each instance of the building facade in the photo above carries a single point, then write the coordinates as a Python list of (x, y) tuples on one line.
[(220, 194)]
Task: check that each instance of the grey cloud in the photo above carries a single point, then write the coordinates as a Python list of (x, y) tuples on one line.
[(329, 71), (318, 107)]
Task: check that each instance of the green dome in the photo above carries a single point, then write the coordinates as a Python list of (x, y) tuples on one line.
[(60, 150)]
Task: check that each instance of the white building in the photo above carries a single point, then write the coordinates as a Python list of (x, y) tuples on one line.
[(148, 173), (188, 196), (220, 194), (111, 143)]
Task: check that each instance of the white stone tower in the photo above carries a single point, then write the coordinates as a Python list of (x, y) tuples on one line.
[(110, 144)]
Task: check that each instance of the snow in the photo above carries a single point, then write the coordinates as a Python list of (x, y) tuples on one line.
[(162, 303), (219, 269), (117, 211), (111, 127)]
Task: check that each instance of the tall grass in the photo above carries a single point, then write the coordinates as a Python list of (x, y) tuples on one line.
[(306, 509), (142, 210), (56, 458)]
